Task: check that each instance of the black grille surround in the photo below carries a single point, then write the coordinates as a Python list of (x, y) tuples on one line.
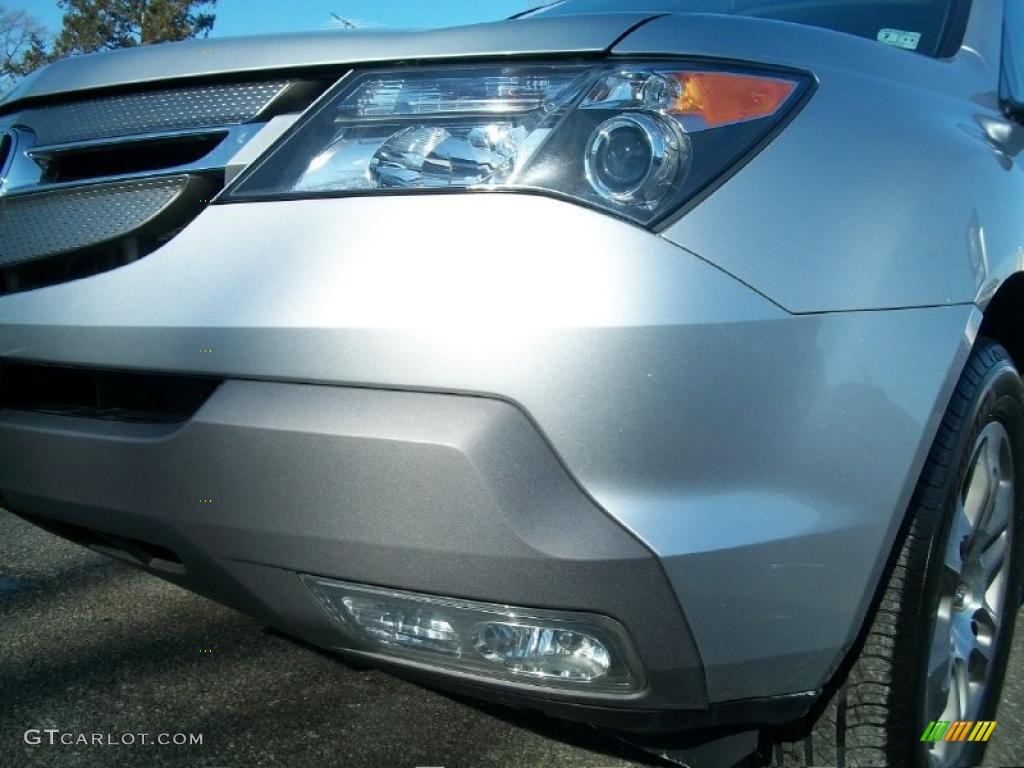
[(100, 180), (108, 395)]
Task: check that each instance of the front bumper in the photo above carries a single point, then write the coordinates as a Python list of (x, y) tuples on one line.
[(455, 496), (765, 459)]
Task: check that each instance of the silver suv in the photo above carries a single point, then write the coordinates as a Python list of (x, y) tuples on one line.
[(649, 362)]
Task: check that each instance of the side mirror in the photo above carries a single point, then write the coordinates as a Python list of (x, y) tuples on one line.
[(1011, 80)]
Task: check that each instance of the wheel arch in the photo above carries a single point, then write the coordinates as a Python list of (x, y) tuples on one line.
[(1003, 317)]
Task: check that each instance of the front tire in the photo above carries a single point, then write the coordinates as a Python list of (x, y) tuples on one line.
[(939, 635)]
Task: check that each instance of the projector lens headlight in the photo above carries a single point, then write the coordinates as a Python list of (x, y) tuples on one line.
[(637, 139), (539, 647), (621, 155), (637, 160)]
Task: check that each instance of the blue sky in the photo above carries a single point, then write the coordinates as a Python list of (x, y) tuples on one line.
[(247, 17)]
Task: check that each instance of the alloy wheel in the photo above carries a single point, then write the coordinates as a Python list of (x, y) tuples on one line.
[(973, 590)]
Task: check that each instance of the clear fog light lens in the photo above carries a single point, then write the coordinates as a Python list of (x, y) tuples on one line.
[(398, 626), (540, 647), (542, 651)]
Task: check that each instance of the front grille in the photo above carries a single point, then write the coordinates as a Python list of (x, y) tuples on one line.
[(102, 394), (95, 183), (158, 111)]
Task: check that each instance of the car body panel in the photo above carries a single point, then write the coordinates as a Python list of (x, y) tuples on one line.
[(911, 230), (329, 48), (766, 458), (751, 391)]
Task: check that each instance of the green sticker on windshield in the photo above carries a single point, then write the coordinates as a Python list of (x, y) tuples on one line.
[(899, 38)]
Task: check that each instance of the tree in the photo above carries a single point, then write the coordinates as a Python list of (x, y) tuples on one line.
[(101, 25), (22, 45), (97, 25)]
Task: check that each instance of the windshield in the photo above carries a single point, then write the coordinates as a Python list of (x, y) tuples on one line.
[(932, 27)]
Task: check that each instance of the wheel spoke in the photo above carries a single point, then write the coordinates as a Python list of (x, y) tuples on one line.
[(938, 753), (938, 691), (978, 489), (999, 520), (993, 557), (996, 517), (988, 550), (963, 637), (961, 687), (961, 532), (940, 660)]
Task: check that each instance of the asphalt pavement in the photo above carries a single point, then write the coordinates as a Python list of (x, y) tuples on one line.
[(92, 646)]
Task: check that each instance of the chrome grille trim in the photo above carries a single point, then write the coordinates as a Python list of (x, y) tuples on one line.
[(96, 182), (144, 112), (40, 149), (234, 137)]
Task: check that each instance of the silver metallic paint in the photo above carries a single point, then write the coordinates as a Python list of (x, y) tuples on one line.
[(762, 435), (932, 204), (329, 48), (765, 457)]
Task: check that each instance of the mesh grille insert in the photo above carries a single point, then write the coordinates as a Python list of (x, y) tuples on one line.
[(151, 111), (44, 223)]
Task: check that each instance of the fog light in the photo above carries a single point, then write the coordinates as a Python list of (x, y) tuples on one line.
[(398, 626), (542, 651), (533, 646)]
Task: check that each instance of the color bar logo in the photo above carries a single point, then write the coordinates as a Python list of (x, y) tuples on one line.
[(959, 730)]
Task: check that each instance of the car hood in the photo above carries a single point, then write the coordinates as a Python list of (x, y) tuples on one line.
[(231, 55)]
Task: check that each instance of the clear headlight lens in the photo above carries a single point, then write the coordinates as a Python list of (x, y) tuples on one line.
[(635, 139), (541, 647), (423, 131)]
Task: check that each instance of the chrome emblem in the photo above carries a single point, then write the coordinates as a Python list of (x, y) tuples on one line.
[(17, 168), (6, 151)]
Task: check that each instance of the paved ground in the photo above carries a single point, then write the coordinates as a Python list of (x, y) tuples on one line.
[(90, 645)]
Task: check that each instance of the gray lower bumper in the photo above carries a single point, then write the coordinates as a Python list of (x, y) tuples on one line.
[(442, 494)]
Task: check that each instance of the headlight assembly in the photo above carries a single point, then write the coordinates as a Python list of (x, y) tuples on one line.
[(635, 139)]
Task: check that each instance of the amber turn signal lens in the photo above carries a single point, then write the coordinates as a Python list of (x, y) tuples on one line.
[(722, 98)]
